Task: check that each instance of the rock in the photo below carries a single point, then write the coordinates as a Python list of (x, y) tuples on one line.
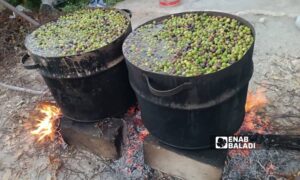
[(189, 165), (262, 20), (104, 141), (22, 8), (298, 22)]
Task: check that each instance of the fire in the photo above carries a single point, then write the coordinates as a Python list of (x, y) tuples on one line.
[(46, 125), (131, 164), (255, 100), (253, 122)]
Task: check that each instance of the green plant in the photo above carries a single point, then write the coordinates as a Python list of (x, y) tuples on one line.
[(30, 4), (73, 5), (14, 2), (188, 45)]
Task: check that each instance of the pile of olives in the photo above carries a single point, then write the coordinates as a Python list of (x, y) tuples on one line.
[(82, 31), (187, 45)]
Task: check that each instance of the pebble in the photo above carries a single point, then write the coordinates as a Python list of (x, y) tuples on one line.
[(262, 20), (22, 8), (298, 22)]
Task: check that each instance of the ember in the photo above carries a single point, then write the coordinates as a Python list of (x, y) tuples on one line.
[(270, 168), (131, 163), (46, 122), (253, 122)]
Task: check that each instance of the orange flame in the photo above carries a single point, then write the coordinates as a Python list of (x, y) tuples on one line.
[(255, 100), (46, 122), (253, 122)]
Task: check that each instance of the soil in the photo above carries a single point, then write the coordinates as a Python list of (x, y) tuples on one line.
[(13, 31)]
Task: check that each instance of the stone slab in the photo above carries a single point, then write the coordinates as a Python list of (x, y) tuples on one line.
[(103, 139), (187, 164)]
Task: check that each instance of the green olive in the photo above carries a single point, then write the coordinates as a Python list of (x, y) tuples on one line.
[(81, 31), (188, 45)]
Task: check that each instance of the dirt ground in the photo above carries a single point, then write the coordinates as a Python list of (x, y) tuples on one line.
[(277, 69)]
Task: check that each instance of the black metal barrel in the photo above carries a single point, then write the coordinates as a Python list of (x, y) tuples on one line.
[(185, 112), (88, 86)]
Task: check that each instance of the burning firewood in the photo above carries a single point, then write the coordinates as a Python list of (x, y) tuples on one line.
[(45, 121)]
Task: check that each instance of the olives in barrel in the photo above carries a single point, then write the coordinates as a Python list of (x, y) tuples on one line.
[(78, 32), (189, 44)]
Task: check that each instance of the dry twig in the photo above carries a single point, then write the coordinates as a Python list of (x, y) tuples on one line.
[(21, 89)]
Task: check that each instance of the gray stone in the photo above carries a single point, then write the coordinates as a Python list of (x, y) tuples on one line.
[(262, 20), (103, 138), (22, 8), (189, 165)]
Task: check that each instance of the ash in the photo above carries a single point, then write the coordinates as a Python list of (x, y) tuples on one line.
[(131, 165), (263, 164)]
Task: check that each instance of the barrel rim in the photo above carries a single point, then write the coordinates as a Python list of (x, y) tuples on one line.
[(110, 65), (87, 52), (215, 13)]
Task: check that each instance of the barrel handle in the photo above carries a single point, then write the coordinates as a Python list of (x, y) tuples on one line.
[(169, 92), (24, 58), (127, 11)]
